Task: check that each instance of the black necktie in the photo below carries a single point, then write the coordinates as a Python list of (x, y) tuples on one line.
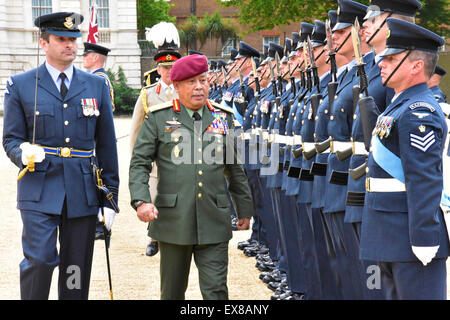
[(63, 90), (197, 116)]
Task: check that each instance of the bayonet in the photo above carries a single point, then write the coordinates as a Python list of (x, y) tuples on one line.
[(357, 46), (272, 76), (255, 77), (307, 69), (279, 77), (331, 51), (313, 64), (224, 74)]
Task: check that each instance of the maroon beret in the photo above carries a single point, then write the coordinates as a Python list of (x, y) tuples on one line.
[(188, 67)]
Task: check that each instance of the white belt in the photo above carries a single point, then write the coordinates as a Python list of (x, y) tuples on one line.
[(265, 135), (282, 139), (236, 123), (245, 136), (309, 146), (297, 140), (255, 132), (384, 185), (340, 146), (359, 149)]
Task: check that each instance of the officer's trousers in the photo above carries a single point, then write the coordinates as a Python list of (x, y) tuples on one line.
[(212, 264), (325, 252), (39, 236), (414, 281)]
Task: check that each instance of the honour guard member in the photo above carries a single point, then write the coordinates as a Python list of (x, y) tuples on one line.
[(434, 82), (165, 37), (60, 139), (403, 227), (371, 90), (94, 60), (339, 131), (191, 213)]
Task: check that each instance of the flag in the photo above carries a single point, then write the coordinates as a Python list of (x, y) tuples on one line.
[(93, 26)]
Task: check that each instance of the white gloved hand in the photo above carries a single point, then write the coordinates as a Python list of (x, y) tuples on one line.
[(109, 217), (425, 254), (29, 150)]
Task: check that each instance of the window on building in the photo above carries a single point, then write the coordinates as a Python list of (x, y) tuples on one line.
[(41, 7), (275, 39), (226, 50), (102, 12)]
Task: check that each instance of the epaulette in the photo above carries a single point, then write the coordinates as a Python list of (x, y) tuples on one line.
[(150, 86), (221, 107), (161, 106)]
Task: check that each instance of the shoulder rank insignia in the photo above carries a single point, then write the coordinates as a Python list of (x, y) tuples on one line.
[(422, 143), (160, 106), (422, 104)]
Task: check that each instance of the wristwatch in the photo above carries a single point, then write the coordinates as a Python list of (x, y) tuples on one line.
[(137, 203)]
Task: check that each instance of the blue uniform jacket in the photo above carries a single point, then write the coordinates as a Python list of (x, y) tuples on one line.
[(382, 96), (61, 123), (395, 221), (340, 128), (307, 133)]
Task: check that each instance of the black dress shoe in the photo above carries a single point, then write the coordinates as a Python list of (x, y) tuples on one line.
[(152, 248), (266, 266), (246, 243), (273, 285), (296, 296), (286, 295)]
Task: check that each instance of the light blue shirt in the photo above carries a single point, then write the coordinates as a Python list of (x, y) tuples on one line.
[(54, 73)]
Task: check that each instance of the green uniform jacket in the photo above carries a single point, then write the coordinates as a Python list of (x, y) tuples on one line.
[(192, 201)]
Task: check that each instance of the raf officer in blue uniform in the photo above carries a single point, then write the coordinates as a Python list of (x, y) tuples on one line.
[(67, 131), (403, 227)]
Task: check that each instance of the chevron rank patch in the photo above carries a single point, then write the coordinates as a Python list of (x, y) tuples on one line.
[(422, 143)]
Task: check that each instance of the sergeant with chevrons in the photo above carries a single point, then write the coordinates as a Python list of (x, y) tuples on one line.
[(403, 227), (374, 31)]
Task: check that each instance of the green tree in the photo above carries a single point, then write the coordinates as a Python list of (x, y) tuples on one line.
[(151, 12), (124, 97), (216, 27), (188, 32), (267, 14), (435, 16)]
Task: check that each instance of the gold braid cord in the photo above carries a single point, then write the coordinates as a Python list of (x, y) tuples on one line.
[(111, 89), (144, 101)]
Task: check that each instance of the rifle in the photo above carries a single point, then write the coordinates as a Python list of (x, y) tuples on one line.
[(315, 98), (333, 84)]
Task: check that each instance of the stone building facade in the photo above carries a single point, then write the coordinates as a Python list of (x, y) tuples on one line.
[(117, 31)]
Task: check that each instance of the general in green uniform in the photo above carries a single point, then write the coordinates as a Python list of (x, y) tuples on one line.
[(187, 138)]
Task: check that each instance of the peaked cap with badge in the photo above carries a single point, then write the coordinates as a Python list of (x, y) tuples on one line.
[(62, 24)]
